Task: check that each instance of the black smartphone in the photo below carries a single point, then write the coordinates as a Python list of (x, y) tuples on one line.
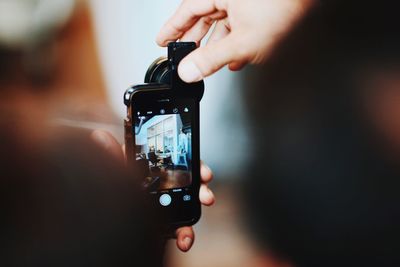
[(162, 138)]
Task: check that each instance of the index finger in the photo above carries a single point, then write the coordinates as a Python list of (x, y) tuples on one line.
[(187, 14)]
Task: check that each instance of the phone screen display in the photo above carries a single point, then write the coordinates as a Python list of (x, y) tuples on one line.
[(164, 154), (163, 142)]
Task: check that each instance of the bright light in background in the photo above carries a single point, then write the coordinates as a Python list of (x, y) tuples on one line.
[(26, 22), (126, 31)]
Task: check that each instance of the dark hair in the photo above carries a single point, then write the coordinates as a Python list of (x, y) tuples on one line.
[(322, 189), (66, 202)]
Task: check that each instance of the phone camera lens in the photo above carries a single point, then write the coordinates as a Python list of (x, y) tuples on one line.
[(158, 71)]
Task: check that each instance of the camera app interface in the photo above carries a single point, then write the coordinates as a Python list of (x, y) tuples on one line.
[(163, 140)]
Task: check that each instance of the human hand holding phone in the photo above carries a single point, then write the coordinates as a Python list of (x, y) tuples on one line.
[(184, 235), (245, 32)]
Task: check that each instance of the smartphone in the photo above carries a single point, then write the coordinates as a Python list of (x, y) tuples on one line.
[(163, 143)]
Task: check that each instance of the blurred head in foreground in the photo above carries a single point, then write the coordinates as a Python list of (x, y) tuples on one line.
[(66, 202), (323, 185)]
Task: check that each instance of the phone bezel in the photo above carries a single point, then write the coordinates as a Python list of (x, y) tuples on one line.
[(147, 95)]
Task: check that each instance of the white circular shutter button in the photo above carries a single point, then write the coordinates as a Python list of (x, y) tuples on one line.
[(165, 200)]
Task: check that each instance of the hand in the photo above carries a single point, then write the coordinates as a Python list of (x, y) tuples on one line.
[(245, 32), (184, 235)]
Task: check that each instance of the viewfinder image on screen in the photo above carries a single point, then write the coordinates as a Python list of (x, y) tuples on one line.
[(164, 150)]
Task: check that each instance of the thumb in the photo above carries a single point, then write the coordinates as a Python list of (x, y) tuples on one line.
[(206, 60)]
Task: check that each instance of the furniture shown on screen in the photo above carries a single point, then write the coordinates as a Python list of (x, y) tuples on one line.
[(167, 163), (143, 167), (152, 156)]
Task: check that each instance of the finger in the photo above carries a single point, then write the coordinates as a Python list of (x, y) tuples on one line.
[(123, 147), (184, 18), (184, 238), (205, 173), (220, 31), (108, 142), (206, 195), (208, 59), (237, 65), (198, 31)]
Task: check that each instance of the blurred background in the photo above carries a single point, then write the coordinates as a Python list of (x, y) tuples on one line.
[(327, 137), (72, 61)]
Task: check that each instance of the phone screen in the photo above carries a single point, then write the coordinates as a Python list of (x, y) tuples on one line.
[(164, 138)]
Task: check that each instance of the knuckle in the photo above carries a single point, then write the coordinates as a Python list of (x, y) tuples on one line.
[(174, 27), (208, 21), (212, 60)]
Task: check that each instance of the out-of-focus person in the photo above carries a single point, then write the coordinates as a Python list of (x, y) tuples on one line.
[(323, 183), (66, 198), (68, 201)]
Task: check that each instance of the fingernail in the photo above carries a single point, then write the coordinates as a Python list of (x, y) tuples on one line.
[(187, 242), (101, 138), (189, 72)]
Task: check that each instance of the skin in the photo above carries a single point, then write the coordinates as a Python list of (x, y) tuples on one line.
[(184, 235), (245, 32)]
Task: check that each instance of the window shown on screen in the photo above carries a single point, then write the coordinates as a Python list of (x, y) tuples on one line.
[(163, 150)]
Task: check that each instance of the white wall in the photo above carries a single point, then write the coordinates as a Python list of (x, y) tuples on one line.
[(141, 138), (126, 31)]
